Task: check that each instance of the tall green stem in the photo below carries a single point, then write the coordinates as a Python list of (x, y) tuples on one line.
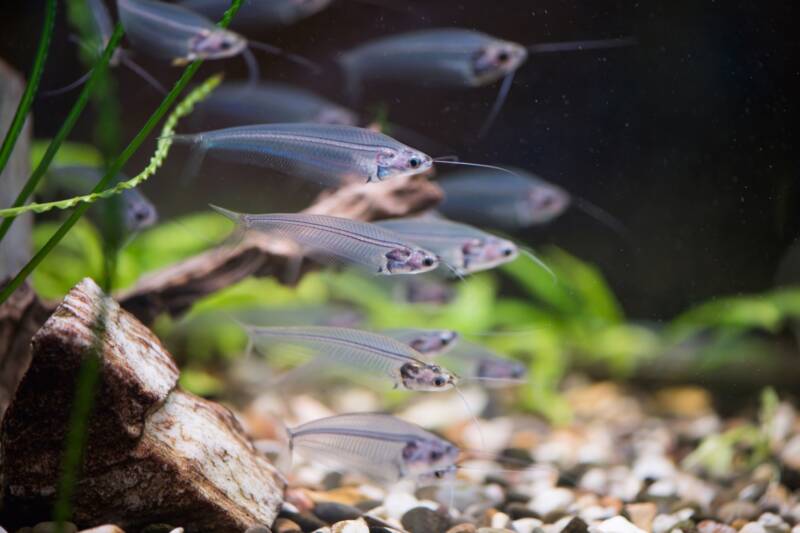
[(65, 129), (26, 101)]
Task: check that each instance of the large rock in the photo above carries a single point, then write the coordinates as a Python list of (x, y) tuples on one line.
[(155, 454)]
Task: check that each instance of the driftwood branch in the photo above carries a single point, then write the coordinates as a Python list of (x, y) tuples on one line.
[(174, 289), (154, 453)]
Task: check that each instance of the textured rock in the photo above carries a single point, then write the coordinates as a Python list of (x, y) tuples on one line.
[(424, 520), (155, 454)]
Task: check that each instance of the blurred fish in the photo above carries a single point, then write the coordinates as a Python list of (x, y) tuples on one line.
[(501, 200), (326, 153), (477, 363), (449, 58), (359, 243), (103, 27), (256, 14), (425, 341), (463, 248), (369, 352), (117, 217), (380, 446), (238, 103)]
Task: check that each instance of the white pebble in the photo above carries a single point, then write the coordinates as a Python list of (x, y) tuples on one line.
[(773, 523), (500, 520), (399, 503), (618, 524), (527, 525), (664, 522), (547, 501), (350, 526), (653, 467), (753, 527)]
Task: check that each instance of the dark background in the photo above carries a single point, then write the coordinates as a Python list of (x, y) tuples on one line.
[(689, 138)]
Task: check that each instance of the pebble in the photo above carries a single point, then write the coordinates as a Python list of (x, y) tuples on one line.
[(463, 528), (332, 512), (737, 509), (399, 503), (306, 521), (520, 510), (642, 514), (350, 526), (284, 525), (108, 528), (493, 530), (500, 520), (773, 523), (424, 520), (325, 529), (709, 526), (575, 525), (753, 527), (549, 500), (618, 524), (527, 525), (50, 527), (258, 529)]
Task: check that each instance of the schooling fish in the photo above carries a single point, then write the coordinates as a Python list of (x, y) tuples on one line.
[(448, 58), (478, 363), (325, 153), (362, 350), (260, 13), (357, 243), (462, 247), (241, 103), (425, 341), (379, 446)]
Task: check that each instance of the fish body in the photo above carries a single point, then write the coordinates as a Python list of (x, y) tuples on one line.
[(478, 363), (445, 57), (377, 445), (363, 350), (260, 13), (341, 239), (240, 103), (173, 32), (462, 247), (322, 152), (501, 200), (425, 341)]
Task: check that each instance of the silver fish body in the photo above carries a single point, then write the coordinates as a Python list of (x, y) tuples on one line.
[(240, 103), (377, 445), (446, 57), (462, 247), (260, 13), (425, 341), (363, 350), (341, 239), (501, 200), (325, 153), (173, 32)]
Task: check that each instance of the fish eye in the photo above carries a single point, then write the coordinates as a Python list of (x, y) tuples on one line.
[(507, 251), (439, 474), (428, 261), (503, 56), (414, 162), (439, 381)]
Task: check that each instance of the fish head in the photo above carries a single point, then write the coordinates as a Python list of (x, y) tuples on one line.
[(336, 115), (544, 202), (139, 212), (424, 455), (410, 261), (393, 163), (433, 341), (483, 254), (426, 378), (217, 44), (496, 60), (447, 473)]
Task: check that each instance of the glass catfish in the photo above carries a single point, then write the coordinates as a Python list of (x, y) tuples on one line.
[(260, 13), (376, 445), (463, 248), (425, 341), (365, 351), (342, 240), (328, 154), (243, 103)]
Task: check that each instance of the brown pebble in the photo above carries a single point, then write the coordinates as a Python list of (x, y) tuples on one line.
[(463, 528), (709, 526), (737, 509), (642, 514), (108, 528), (576, 525), (739, 523), (284, 525)]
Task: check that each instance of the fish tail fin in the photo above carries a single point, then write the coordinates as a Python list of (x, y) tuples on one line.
[(197, 155), (239, 219)]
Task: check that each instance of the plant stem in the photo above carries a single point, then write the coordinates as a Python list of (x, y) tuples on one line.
[(26, 101), (65, 129)]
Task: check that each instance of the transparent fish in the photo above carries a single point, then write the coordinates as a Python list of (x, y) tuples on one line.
[(475, 362), (325, 153), (464, 248), (257, 14), (425, 341), (501, 200), (377, 445), (343, 240), (175, 33), (363, 350), (241, 103)]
